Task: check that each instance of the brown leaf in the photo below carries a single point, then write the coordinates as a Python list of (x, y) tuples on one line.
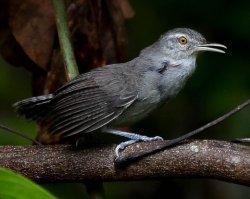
[(118, 27), (127, 10), (12, 52), (98, 32), (33, 26)]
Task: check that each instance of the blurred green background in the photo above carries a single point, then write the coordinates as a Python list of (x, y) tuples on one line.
[(220, 83)]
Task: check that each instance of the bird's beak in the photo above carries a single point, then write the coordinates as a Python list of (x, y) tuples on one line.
[(211, 47)]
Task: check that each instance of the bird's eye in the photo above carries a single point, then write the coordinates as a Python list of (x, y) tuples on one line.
[(182, 40)]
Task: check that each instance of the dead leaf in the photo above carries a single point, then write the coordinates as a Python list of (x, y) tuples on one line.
[(33, 26), (127, 10)]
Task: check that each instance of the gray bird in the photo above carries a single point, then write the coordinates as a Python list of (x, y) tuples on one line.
[(120, 94)]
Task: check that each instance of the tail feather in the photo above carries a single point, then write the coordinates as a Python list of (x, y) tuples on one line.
[(34, 108)]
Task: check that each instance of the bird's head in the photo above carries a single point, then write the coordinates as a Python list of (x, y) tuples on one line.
[(181, 43), (172, 58)]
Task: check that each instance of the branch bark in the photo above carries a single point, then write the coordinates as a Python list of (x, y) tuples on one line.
[(64, 163)]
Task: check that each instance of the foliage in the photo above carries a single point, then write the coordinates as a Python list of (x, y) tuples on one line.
[(15, 186)]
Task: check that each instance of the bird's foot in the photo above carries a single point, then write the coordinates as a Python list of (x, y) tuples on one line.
[(134, 137), (125, 144)]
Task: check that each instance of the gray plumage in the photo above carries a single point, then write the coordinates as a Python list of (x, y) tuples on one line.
[(118, 94)]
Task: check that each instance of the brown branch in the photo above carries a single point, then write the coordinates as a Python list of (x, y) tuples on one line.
[(192, 133), (210, 159)]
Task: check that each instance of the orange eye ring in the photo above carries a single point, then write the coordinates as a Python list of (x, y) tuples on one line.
[(182, 40)]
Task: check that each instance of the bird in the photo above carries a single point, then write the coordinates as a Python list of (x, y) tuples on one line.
[(116, 95)]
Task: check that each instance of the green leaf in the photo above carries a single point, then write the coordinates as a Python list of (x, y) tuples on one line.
[(16, 186)]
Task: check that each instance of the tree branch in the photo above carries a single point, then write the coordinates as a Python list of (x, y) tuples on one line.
[(63, 163), (192, 133)]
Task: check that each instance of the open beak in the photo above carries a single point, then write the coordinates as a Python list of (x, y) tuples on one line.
[(213, 47)]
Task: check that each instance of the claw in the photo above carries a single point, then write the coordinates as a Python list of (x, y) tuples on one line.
[(125, 144), (157, 138), (148, 139), (122, 146)]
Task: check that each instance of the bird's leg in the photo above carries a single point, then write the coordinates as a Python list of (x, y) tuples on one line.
[(132, 136)]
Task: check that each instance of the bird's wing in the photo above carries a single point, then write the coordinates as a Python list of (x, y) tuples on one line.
[(89, 102)]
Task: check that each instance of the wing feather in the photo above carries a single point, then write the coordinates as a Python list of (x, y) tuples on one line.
[(78, 107), (76, 99), (90, 102), (71, 127), (94, 125), (81, 115)]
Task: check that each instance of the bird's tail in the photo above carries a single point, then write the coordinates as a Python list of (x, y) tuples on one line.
[(34, 108)]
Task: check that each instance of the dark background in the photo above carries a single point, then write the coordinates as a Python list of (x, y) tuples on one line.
[(220, 82)]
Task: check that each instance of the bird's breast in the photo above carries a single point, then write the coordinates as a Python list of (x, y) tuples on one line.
[(175, 78)]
